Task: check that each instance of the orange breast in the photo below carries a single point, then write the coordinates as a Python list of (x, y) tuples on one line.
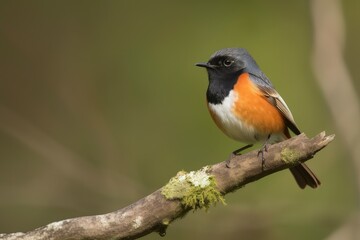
[(252, 107)]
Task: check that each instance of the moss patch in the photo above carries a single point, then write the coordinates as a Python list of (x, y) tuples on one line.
[(195, 190), (289, 156)]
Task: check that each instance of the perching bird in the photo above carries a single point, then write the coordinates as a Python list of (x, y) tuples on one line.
[(246, 107)]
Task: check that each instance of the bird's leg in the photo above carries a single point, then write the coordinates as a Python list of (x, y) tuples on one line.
[(237, 152), (263, 149)]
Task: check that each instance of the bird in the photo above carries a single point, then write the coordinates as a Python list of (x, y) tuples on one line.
[(245, 105)]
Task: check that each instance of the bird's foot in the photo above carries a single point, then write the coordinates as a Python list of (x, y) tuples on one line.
[(261, 152), (236, 153)]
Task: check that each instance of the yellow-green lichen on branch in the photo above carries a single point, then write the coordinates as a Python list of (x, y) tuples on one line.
[(290, 156), (195, 190)]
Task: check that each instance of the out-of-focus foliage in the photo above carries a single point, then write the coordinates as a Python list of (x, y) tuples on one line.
[(100, 104)]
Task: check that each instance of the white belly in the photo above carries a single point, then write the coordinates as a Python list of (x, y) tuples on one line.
[(231, 124)]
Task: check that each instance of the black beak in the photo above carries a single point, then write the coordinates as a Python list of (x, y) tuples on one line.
[(205, 65), (201, 65)]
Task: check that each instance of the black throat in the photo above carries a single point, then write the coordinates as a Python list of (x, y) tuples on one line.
[(220, 87)]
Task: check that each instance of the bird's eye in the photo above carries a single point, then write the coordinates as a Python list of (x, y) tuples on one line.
[(228, 62)]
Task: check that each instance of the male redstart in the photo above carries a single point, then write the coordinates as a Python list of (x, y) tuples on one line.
[(246, 107)]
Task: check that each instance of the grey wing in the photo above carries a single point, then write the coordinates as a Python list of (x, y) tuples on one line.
[(274, 98)]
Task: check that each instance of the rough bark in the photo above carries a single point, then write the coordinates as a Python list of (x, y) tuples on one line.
[(156, 211)]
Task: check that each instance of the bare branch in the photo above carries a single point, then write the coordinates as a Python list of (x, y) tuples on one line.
[(184, 192)]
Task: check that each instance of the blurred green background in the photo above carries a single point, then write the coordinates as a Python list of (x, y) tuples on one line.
[(101, 104)]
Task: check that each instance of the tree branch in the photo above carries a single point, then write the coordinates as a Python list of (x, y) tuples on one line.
[(184, 192)]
